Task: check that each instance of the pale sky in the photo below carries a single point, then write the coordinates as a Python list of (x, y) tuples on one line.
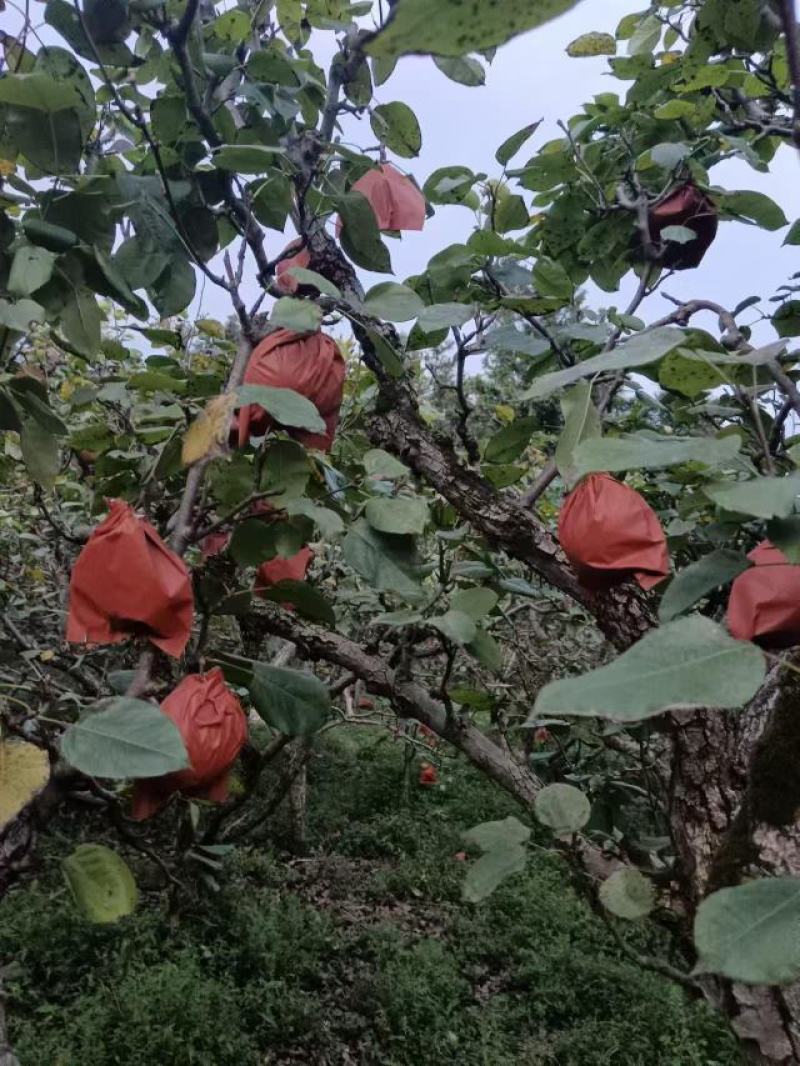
[(532, 78)]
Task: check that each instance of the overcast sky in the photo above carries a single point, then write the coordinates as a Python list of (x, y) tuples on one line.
[(533, 78)]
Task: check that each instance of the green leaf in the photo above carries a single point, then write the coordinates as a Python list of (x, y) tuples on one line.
[(509, 148), (307, 600), (763, 497), (291, 701), (81, 321), (581, 423), (674, 109), (551, 279), (328, 522), (61, 15), (40, 452), (455, 625), (689, 663), (398, 514), (490, 870), (19, 315), (387, 563), (272, 200), (475, 602), (361, 238), (311, 277), (300, 316), (173, 290), (486, 650), (396, 126), (38, 91), (511, 441), (393, 302), (382, 69), (30, 269), (286, 406), (698, 579), (287, 469), (463, 69), (124, 738), (509, 213), (749, 933), (381, 464), (253, 542), (592, 44), (397, 618), (645, 37), (388, 357), (641, 349), (442, 316), (455, 29), (101, 883), (449, 185), (786, 319), (755, 207), (785, 535), (246, 158), (562, 808), (489, 836), (635, 451), (627, 894), (689, 375)]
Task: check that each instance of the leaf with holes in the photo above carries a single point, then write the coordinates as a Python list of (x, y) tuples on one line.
[(455, 28), (562, 808), (396, 126), (628, 894), (101, 883)]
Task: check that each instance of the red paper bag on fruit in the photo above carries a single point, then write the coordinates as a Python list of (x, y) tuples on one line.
[(764, 604), (688, 208), (395, 200), (214, 730), (609, 533), (312, 365), (126, 582)]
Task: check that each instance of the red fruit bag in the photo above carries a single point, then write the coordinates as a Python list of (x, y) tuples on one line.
[(126, 582), (395, 200), (764, 604), (214, 544), (285, 281), (292, 568), (609, 533), (428, 775), (311, 365), (214, 730), (685, 206)]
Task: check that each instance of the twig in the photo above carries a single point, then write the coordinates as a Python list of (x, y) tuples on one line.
[(789, 21), (550, 470)]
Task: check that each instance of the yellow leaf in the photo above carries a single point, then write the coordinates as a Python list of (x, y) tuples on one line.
[(24, 771), (209, 432), (211, 327)]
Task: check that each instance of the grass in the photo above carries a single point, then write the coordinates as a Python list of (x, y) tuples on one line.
[(360, 954)]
